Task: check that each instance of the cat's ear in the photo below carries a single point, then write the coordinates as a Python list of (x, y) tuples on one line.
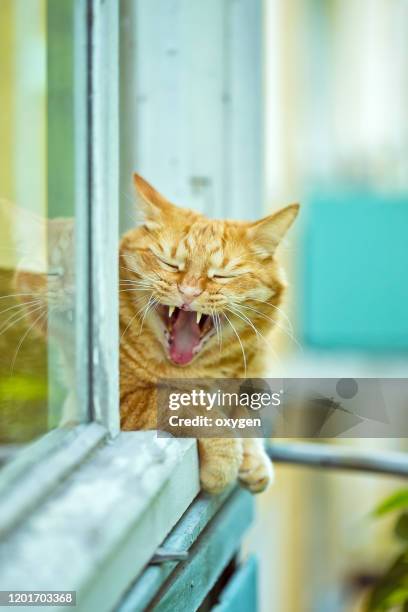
[(268, 232), (154, 207)]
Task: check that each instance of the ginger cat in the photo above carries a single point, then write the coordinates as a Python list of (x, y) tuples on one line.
[(185, 279)]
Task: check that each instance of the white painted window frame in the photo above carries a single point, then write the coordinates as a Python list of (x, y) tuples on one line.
[(84, 508), (96, 192)]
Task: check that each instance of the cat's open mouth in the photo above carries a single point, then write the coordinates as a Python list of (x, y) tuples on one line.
[(186, 332)]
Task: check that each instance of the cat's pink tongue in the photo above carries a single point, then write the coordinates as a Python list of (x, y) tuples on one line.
[(185, 338)]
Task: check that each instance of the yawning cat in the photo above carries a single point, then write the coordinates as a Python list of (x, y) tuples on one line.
[(186, 282)]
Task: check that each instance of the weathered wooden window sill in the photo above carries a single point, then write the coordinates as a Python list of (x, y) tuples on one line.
[(98, 528)]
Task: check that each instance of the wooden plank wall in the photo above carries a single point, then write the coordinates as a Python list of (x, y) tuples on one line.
[(195, 130)]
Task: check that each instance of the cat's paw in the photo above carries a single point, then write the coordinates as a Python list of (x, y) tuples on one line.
[(256, 471), (219, 463)]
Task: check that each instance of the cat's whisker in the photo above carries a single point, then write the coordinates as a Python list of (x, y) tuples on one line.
[(132, 287), (137, 314), (20, 317), (22, 305), (282, 312), (264, 315), (275, 323), (26, 333), (136, 283), (285, 331), (215, 319), (290, 335), (13, 318), (135, 290), (220, 327), (240, 342), (127, 326), (150, 305), (10, 295), (242, 316), (134, 280)]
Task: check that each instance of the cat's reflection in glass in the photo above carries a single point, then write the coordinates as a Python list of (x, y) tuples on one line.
[(37, 317)]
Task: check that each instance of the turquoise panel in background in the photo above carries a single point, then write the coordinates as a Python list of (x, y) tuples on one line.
[(354, 272)]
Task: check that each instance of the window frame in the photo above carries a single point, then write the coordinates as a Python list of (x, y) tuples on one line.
[(103, 211), (91, 55), (63, 464)]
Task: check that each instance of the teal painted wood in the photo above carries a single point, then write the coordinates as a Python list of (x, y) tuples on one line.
[(193, 579), (240, 594), (183, 535)]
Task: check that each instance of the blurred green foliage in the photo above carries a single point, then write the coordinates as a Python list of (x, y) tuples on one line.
[(391, 590)]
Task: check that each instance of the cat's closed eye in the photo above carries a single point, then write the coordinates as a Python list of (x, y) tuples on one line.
[(226, 276), (172, 266)]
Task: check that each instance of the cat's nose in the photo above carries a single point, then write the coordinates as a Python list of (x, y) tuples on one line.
[(189, 292)]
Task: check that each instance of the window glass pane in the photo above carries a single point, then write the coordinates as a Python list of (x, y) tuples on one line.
[(37, 238)]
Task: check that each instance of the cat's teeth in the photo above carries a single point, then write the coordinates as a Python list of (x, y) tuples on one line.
[(171, 310), (199, 315)]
